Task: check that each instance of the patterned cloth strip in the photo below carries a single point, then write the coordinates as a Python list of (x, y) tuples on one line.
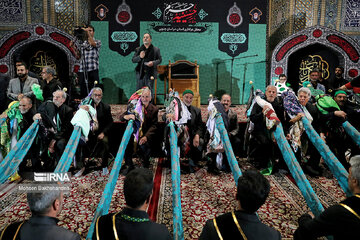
[(69, 152), (330, 159), (12, 161), (104, 204), (175, 179), (352, 132), (2, 120), (306, 190), (234, 166)]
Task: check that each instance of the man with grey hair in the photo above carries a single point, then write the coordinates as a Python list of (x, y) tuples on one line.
[(312, 166), (48, 83), (146, 135), (56, 117), (45, 206), (342, 221), (98, 142)]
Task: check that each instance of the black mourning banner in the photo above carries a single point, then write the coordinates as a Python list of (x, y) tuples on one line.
[(234, 17)]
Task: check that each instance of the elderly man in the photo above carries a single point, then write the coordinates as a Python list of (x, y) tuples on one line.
[(314, 80), (342, 220), (147, 57), (146, 133), (48, 83), (56, 117), (312, 166), (252, 191), (21, 86), (98, 141), (133, 221), (262, 143), (45, 207)]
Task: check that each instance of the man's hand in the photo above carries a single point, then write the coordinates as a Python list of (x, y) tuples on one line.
[(85, 107), (20, 96), (323, 137), (150, 64), (170, 117), (288, 137), (52, 146), (143, 140), (340, 114), (101, 136), (37, 116), (196, 140), (265, 108), (142, 54), (130, 116)]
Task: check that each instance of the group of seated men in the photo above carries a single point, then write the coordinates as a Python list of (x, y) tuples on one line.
[(340, 221)]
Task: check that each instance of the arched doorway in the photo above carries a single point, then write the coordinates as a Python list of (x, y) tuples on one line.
[(315, 47)]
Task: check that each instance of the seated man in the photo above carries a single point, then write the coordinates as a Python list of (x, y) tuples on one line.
[(342, 220), (21, 86), (252, 190), (133, 221), (48, 83), (262, 143), (56, 117), (146, 133), (45, 206), (98, 142)]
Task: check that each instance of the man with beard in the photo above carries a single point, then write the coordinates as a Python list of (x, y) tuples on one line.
[(262, 143), (146, 133), (56, 117), (98, 141), (147, 58), (48, 83), (314, 80), (21, 86), (338, 80)]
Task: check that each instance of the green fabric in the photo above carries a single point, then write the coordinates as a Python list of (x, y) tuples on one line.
[(340, 91), (188, 91), (267, 171), (37, 92), (326, 104)]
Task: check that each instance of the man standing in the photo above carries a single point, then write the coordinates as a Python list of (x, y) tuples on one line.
[(89, 63), (252, 190), (48, 83), (338, 80), (132, 222), (21, 86), (56, 117), (262, 143), (147, 132), (314, 80), (45, 207), (98, 140), (342, 220), (147, 58)]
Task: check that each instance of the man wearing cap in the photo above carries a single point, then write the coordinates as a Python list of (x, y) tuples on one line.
[(195, 129)]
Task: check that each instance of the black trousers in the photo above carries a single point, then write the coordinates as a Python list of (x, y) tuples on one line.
[(91, 76), (143, 152)]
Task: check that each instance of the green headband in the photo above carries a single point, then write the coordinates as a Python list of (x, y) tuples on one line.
[(188, 91), (340, 91)]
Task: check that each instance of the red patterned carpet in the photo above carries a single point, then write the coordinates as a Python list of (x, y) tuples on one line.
[(203, 195)]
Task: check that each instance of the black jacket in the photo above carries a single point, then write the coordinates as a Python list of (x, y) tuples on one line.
[(103, 114), (127, 226), (250, 224), (39, 228), (195, 124), (49, 88)]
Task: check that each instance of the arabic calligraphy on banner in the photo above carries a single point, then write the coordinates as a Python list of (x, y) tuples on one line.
[(310, 63), (39, 60)]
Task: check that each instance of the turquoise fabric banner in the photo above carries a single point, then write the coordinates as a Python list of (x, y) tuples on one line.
[(228, 148), (330, 159), (175, 179), (69, 152), (12, 161), (306, 190), (104, 204), (352, 132)]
